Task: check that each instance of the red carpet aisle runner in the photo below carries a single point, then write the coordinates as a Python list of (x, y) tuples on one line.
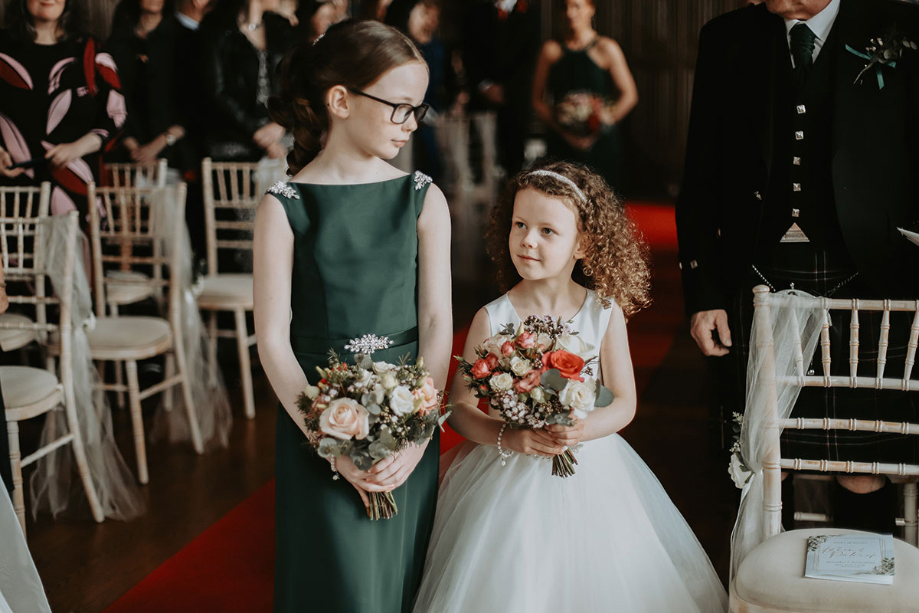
[(229, 567)]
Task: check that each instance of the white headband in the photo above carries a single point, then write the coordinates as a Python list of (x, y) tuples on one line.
[(562, 178)]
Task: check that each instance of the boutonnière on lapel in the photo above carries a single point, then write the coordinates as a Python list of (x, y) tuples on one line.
[(883, 52)]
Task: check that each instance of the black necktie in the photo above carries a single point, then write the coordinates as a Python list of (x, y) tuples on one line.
[(802, 49)]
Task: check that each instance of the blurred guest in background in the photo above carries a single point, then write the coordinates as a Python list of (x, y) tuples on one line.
[(313, 18), (144, 44), (501, 40), (59, 100), (420, 20), (581, 90), (242, 43)]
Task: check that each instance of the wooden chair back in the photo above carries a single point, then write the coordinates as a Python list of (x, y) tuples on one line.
[(774, 463), (231, 196), (152, 174), (133, 233)]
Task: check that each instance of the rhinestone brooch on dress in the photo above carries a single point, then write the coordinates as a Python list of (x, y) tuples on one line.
[(281, 188), (421, 180), (367, 344)]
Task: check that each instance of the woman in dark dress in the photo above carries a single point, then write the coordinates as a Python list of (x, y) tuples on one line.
[(581, 90), (59, 101), (144, 43), (242, 44)]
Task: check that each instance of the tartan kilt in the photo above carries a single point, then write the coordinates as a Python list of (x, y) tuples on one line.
[(812, 270)]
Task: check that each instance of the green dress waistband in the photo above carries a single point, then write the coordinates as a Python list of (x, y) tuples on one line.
[(321, 346)]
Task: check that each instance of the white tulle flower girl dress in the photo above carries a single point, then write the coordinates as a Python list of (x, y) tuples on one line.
[(516, 539)]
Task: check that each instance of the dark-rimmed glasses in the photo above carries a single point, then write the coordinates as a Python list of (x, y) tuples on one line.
[(400, 111)]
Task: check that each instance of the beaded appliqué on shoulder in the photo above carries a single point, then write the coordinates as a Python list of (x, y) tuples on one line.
[(421, 180), (281, 188)]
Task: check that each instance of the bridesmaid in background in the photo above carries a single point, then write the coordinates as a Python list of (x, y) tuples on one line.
[(350, 246), (584, 63)]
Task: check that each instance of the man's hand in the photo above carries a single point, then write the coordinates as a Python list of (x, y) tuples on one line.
[(701, 326)]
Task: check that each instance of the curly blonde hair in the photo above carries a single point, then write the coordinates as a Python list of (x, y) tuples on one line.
[(615, 262)]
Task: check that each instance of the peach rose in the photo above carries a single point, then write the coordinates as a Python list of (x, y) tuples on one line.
[(528, 382), (345, 419), (480, 369), (507, 349), (428, 396), (526, 340), (567, 364), (492, 361)]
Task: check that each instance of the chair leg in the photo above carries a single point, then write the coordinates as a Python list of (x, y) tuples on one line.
[(79, 452), (245, 368), (190, 409), (910, 531), (169, 399), (137, 422), (212, 348), (19, 502), (119, 380)]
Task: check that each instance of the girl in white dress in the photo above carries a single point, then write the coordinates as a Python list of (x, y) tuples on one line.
[(514, 538)]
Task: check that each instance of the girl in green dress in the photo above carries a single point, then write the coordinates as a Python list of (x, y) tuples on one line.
[(350, 246)]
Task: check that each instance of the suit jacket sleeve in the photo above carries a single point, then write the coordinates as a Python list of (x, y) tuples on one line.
[(698, 205)]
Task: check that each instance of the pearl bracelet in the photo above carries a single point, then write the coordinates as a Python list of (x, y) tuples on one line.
[(504, 454), (335, 475)]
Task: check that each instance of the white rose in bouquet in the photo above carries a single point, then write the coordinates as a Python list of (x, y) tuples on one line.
[(579, 396), (312, 392), (402, 401), (345, 419), (388, 380), (574, 344), (520, 366), (381, 367), (502, 382)]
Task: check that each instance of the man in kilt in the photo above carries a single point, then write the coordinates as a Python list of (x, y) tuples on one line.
[(800, 168)]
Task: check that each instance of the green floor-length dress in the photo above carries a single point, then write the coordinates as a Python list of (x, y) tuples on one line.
[(354, 273)]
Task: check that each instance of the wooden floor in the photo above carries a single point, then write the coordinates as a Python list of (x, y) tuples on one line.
[(87, 566)]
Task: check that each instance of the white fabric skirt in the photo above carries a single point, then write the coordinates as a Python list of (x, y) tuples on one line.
[(516, 539)]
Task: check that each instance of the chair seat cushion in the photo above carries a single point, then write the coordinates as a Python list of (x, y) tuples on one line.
[(226, 291), (773, 575), (128, 287), (24, 386), (12, 339), (114, 334)]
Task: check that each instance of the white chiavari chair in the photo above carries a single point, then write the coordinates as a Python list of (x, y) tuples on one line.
[(770, 578), (25, 202), (231, 196), (32, 392), (130, 219), (152, 174)]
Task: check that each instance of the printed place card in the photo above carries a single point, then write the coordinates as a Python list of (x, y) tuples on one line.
[(865, 558)]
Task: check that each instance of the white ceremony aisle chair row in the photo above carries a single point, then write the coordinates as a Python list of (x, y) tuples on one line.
[(767, 567), (32, 392), (134, 234)]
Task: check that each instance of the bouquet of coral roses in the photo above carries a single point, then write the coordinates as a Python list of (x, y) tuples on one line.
[(368, 411), (537, 376)]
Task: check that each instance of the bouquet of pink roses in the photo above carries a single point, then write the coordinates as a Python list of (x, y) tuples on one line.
[(369, 410), (536, 376), (583, 113)]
